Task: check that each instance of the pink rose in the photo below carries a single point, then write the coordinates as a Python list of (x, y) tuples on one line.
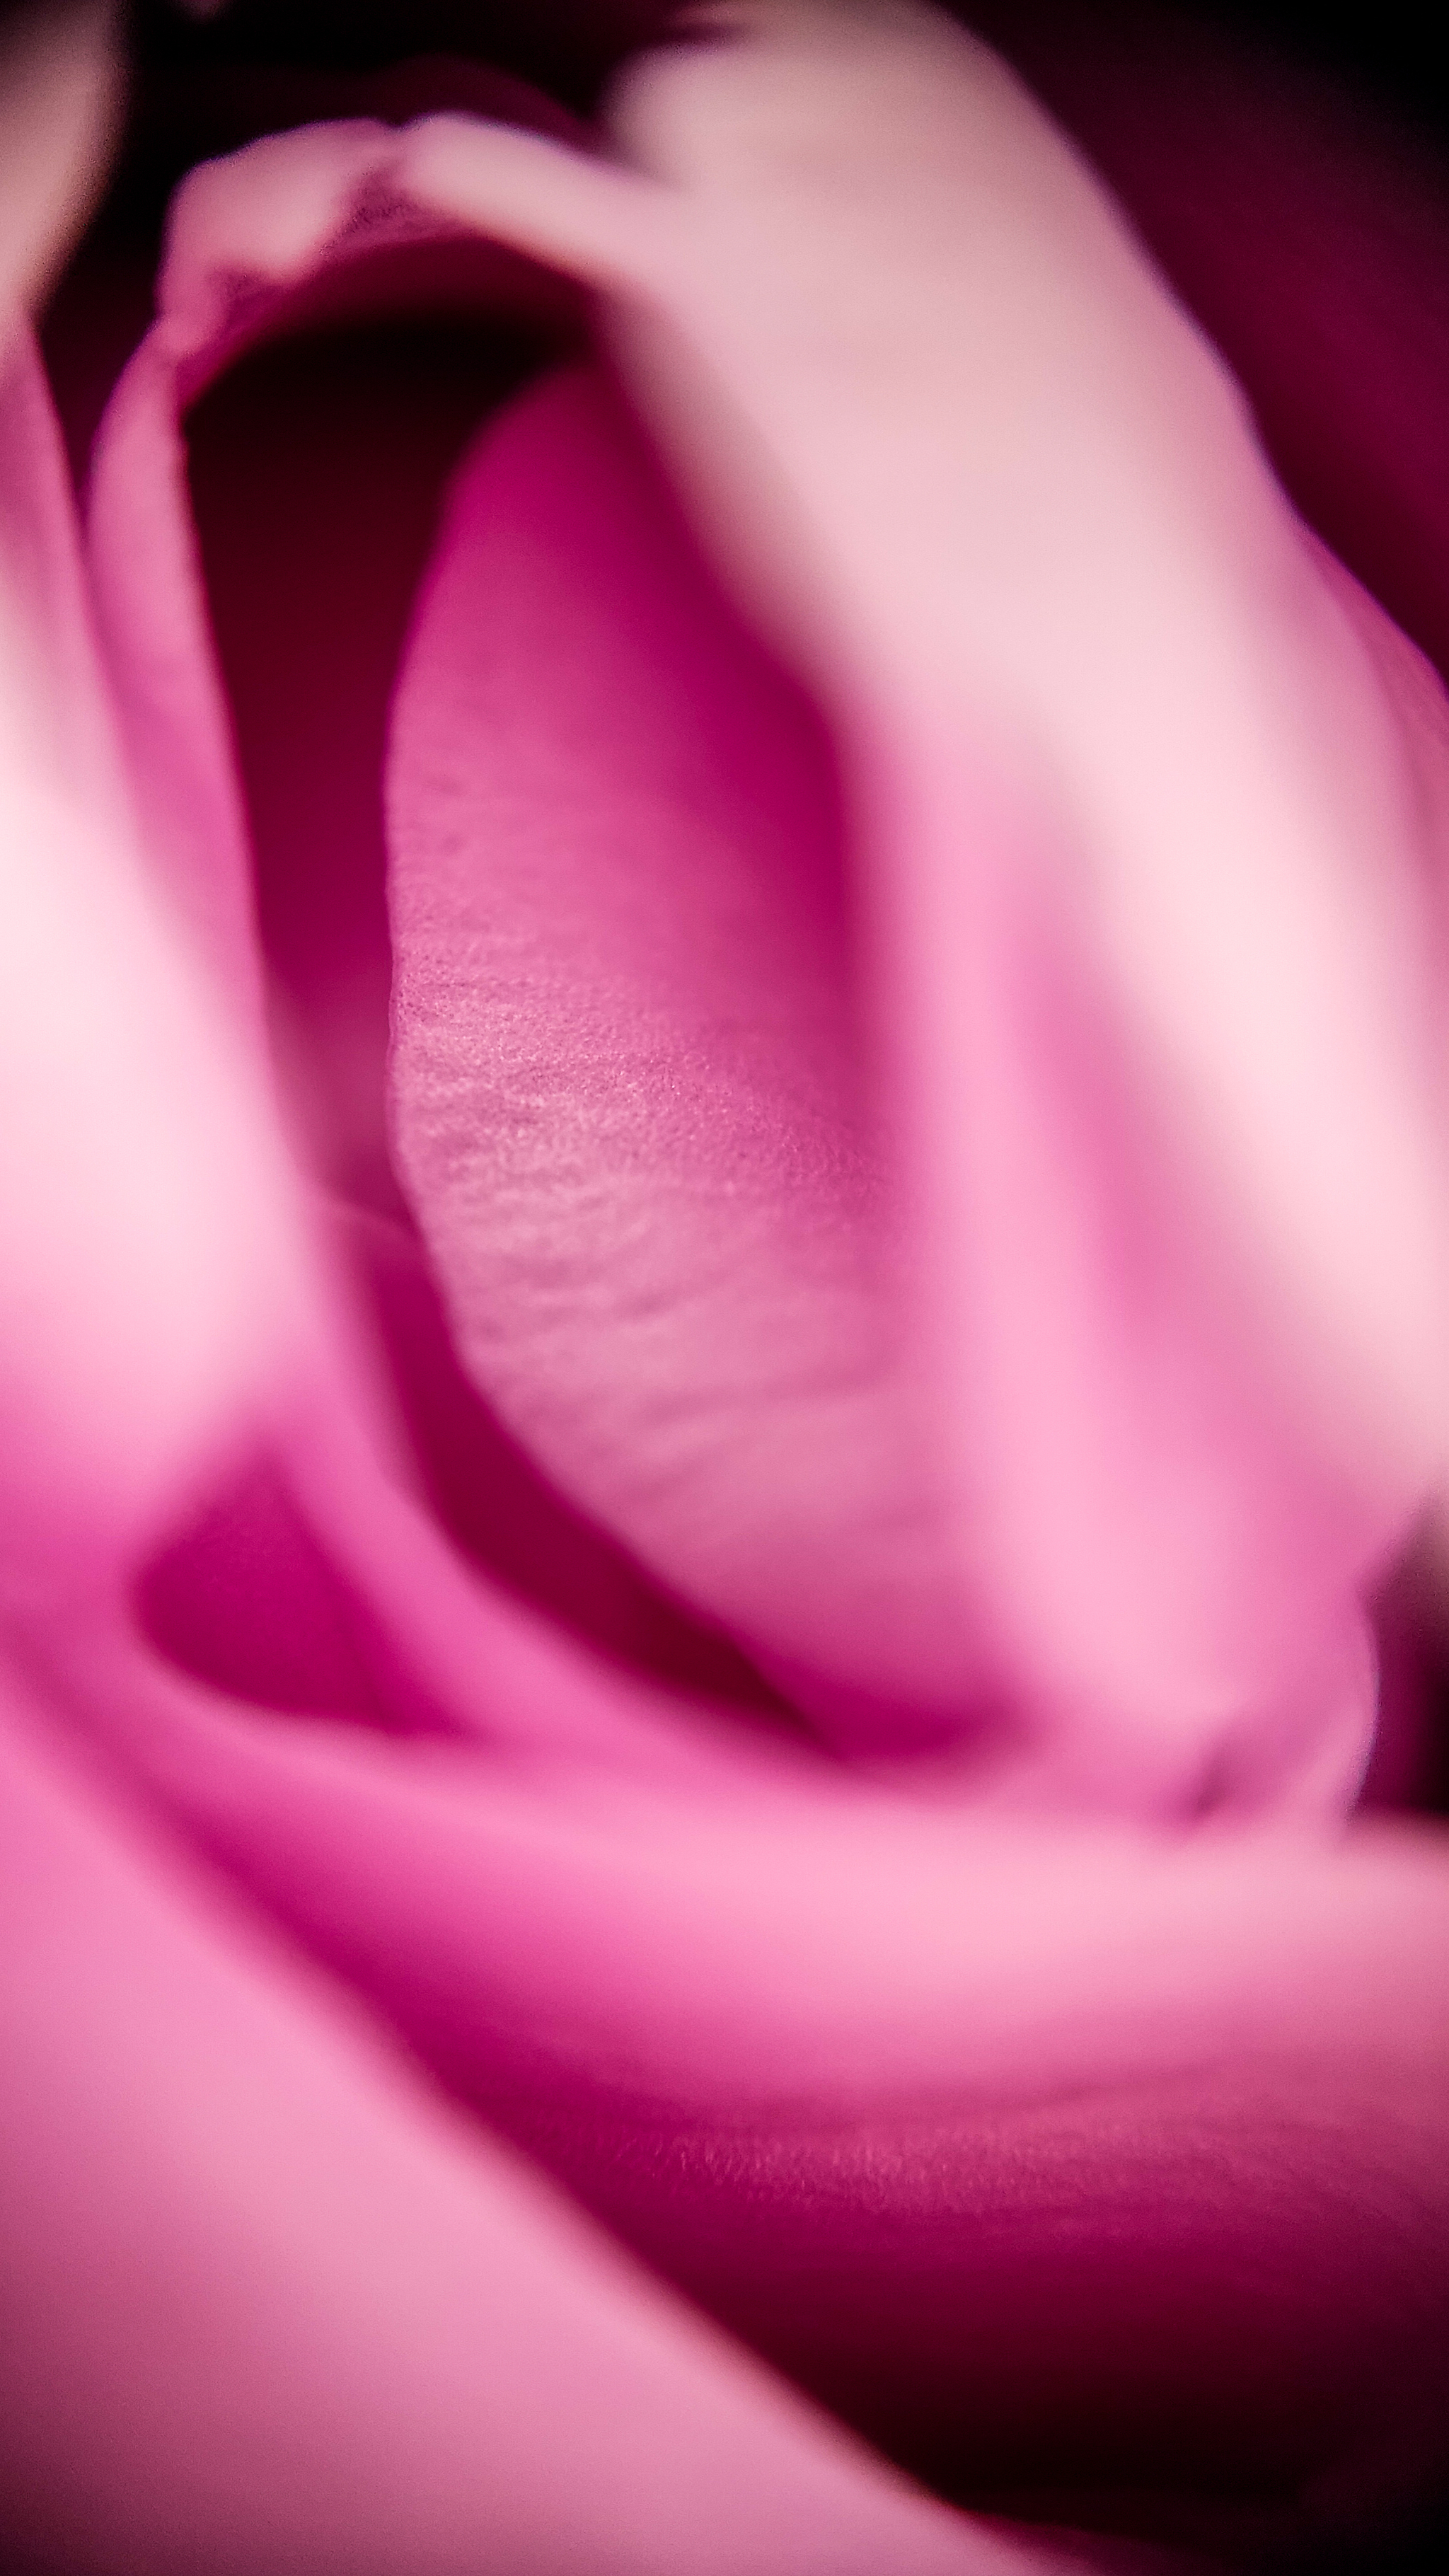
[(724, 1247)]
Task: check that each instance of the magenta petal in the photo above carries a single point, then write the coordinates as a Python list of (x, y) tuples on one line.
[(493, 1503), (299, 227), (253, 653), (1048, 2155), (1127, 1528), (627, 1105), (1143, 830), (270, 2306)]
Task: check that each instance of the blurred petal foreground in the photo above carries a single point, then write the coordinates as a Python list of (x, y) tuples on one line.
[(723, 1192)]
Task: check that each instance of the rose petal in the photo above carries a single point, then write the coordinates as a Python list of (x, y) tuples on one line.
[(293, 228), (1075, 568), (627, 1104), (1045, 2155), (282, 834), (152, 1294), (272, 2306), (492, 1501), (1302, 220), (1321, 2150), (1252, 1678)]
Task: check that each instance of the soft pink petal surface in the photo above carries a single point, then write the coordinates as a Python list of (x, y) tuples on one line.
[(273, 2308), (152, 1292), (1142, 874), (1044, 2153), (628, 1101), (254, 671), (948, 2115)]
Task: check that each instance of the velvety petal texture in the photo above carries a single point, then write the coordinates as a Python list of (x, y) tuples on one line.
[(628, 1097), (679, 1724), (1140, 845)]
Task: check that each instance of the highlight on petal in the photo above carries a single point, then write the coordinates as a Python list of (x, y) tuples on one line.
[(272, 2305), (151, 1289), (1141, 848)]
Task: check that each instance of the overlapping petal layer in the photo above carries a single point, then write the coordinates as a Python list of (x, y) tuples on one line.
[(1136, 1537), (273, 2307), (1015, 2142), (1048, 2152), (1142, 854)]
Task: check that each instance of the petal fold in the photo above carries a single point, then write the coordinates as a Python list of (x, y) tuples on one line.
[(153, 1287), (1044, 2154), (1143, 849), (273, 2306)]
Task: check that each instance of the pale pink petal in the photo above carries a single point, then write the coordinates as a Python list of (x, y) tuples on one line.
[(491, 1500), (1024, 530), (151, 602), (270, 2306), (151, 1288)]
